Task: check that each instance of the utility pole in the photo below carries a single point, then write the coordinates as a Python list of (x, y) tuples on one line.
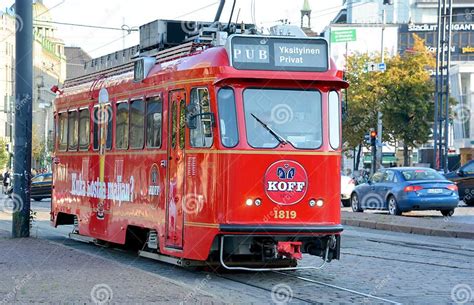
[(379, 155), (23, 118), (443, 61)]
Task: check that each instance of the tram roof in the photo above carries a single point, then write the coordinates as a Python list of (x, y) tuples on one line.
[(211, 63)]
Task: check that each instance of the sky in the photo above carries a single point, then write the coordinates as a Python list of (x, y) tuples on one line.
[(115, 13)]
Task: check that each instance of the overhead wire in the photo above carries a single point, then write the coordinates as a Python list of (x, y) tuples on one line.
[(196, 10), (128, 29)]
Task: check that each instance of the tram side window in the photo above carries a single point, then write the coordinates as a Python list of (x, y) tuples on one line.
[(110, 116), (62, 136), (95, 126), (153, 123), (73, 127), (227, 117), (201, 136), (97, 119), (121, 127), (334, 120), (137, 124), (84, 127), (182, 123)]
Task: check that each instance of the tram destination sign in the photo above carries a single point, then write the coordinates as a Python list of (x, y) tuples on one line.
[(278, 53)]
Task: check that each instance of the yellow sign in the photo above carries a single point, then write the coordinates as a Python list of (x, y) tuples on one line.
[(468, 50)]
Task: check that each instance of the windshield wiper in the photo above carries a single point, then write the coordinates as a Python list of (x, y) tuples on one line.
[(271, 131)]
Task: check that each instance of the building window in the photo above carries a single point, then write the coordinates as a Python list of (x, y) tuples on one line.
[(84, 127), (62, 131), (201, 136), (121, 127), (137, 124), (153, 122), (73, 125)]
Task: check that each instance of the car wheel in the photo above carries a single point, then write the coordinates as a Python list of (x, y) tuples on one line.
[(447, 213), (346, 203), (355, 204), (393, 206)]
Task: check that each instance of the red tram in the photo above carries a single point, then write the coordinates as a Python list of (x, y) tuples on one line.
[(225, 155)]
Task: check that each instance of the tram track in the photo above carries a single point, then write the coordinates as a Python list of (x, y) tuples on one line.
[(270, 290), (431, 247), (305, 280), (405, 261), (352, 291)]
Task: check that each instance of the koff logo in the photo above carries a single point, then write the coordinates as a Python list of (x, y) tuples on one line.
[(286, 182)]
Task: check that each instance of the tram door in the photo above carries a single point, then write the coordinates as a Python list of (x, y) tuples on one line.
[(176, 170)]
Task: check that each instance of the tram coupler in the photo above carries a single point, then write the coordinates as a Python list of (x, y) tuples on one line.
[(290, 249)]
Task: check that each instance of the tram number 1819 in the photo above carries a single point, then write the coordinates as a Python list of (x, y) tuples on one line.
[(284, 214)]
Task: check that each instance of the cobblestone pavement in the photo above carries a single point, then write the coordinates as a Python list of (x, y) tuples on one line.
[(394, 267)]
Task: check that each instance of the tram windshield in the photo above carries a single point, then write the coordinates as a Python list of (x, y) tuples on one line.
[(294, 115)]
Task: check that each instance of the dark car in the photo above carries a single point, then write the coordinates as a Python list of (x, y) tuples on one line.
[(464, 179), (41, 186), (405, 189)]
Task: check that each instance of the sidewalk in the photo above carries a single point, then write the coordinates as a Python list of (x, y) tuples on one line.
[(434, 227), (38, 271)]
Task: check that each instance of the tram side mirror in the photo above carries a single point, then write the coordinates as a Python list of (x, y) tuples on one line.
[(191, 111), (207, 118)]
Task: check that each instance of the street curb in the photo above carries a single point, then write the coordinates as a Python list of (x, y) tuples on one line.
[(413, 225)]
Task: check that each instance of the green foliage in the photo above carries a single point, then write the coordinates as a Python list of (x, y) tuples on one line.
[(404, 94), (363, 100), (408, 102), (4, 156)]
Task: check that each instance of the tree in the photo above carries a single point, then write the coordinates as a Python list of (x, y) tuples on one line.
[(408, 98), (4, 156), (37, 146), (363, 98)]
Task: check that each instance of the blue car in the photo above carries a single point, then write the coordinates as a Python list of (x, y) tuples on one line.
[(405, 189)]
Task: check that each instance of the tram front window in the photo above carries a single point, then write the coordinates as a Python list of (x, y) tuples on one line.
[(292, 117)]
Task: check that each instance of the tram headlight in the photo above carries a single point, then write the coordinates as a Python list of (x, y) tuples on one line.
[(313, 202), (249, 202)]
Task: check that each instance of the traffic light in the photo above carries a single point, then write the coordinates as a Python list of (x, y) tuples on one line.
[(373, 137), (367, 138)]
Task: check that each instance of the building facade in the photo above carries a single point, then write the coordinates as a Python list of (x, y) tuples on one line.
[(49, 69), (403, 18)]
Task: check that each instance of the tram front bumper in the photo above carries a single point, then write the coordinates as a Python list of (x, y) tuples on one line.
[(239, 228)]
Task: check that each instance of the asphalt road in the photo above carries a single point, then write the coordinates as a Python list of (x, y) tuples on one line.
[(376, 267), (462, 214)]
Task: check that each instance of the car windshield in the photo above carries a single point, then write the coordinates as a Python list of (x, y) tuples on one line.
[(421, 174), (293, 115)]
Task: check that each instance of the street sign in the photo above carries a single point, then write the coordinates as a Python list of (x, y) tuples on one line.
[(343, 35), (376, 67), (382, 67), (372, 67)]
